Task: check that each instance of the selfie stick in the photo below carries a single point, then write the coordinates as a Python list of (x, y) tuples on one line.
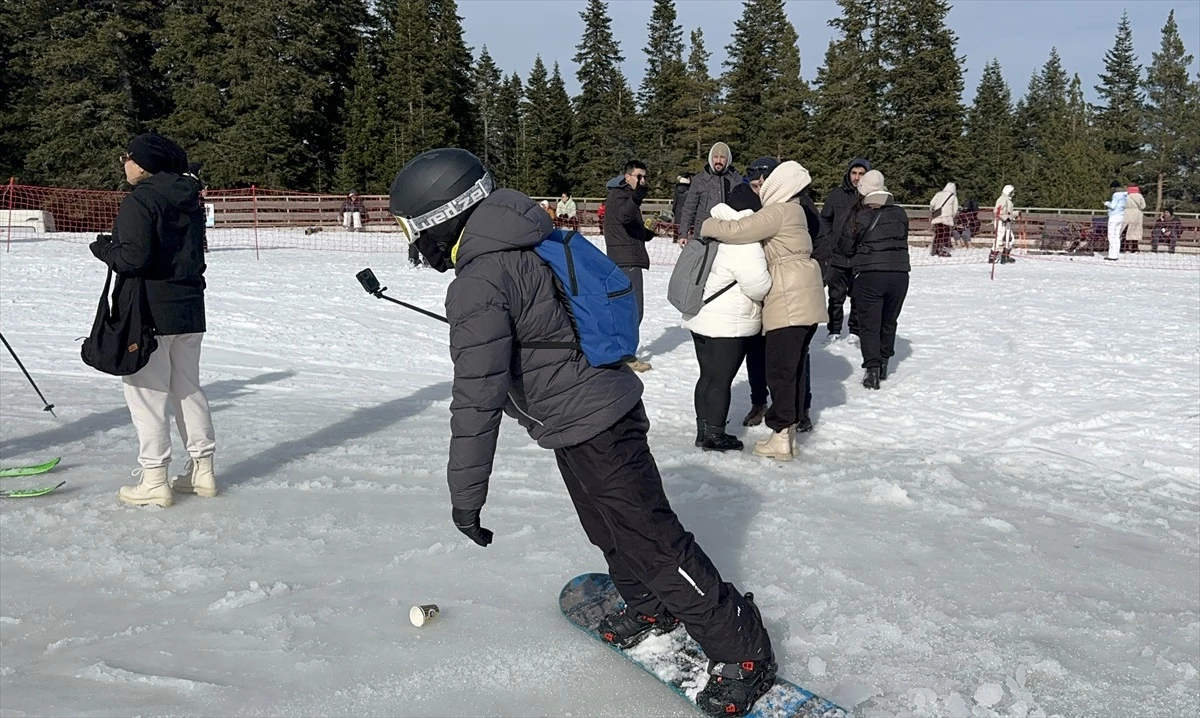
[(367, 278)]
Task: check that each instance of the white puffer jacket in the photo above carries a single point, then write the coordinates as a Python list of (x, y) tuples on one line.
[(737, 312)]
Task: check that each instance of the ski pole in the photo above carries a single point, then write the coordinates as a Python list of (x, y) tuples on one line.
[(367, 279), (48, 406)]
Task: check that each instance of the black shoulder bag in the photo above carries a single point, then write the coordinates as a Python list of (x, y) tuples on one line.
[(122, 338)]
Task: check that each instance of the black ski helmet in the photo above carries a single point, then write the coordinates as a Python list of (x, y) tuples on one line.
[(432, 197)]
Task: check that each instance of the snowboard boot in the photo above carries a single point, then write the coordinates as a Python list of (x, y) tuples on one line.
[(883, 370), (151, 489), (715, 439), (871, 378), (701, 432), (777, 446), (804, 425), (626, 628), (755, 417), (733, 688), (197, 479)]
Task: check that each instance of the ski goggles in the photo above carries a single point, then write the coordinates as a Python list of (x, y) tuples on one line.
[(414, 226)]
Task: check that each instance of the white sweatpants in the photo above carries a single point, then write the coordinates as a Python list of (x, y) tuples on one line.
[(1004, 236), (1115, 225), (171, 380), (349, 217)]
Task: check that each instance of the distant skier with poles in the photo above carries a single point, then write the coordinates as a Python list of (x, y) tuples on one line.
[(502, 300), (1004, 215)]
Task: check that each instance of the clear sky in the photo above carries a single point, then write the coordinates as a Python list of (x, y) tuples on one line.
[(1019, 33)]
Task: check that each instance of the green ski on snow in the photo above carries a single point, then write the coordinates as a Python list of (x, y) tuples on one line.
[(30, 493), (12, 471)]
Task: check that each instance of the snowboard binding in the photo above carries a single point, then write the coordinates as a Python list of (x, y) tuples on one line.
[(626, 628)]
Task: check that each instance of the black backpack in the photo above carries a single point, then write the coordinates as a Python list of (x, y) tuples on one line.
[(122, 339)]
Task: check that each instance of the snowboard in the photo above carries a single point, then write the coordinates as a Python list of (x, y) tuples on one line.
[(675, 658)]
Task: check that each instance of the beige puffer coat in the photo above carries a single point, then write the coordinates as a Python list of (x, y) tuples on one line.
[(797, 296)]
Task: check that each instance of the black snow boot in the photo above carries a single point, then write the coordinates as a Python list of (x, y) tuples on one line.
[(715, 439), (871, 378), (701, 431), (626, 628), (733, 688), (1006, 258), (883, 370), (805, 424), (992, 256), (755, 417)]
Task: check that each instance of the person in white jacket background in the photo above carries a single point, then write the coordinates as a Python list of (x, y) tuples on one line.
[(1116, 220), (1004, 216), (943, 208), (721, 329)]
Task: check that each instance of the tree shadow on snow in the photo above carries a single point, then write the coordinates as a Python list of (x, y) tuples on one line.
[(103, 421), (718, 510), (362, 422), (667, 342)]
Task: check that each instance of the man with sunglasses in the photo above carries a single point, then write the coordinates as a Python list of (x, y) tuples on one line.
[(625, 233)]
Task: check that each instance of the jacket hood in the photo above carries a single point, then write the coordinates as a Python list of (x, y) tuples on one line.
[(720, 148), (786, 181), (856, 162), (180, 191), (615, 182), (950, 188), (1008, 190), (504, 220)]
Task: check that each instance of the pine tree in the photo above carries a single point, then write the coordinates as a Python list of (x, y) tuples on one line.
[(1168, 115), (846, 113), (922, 100), (359, 166), (662, 88), (747, 76), (1075, 171), (703, 121), (189, 51), (1119, 117), (540, 152), (509, 163), (604, 110), (1043, 127), (558, 119), (19, 96), (448, 82), (95, 88), (787, 98), (284, 116), (407, 52), (991, 145), (487, 86)]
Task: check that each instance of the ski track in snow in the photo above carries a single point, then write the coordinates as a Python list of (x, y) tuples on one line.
[(1009, 528)]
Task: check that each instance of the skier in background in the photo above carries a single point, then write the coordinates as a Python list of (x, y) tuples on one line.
[(503, 296), (1004, 216)]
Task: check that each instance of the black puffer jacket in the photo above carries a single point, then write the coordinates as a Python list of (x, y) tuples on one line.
[(876, 246), (159, 236), (503, 294), (625, 235), (834, 213)]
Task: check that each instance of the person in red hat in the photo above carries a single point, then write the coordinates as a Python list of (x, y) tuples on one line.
[(1135, 206)]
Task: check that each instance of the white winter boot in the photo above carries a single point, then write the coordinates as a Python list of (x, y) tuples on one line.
[(777, 446), (152, 489), (197, 478)]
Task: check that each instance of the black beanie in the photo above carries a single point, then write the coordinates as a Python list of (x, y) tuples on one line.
[(155, 153)]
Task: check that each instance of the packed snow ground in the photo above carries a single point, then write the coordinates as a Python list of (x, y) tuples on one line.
[(1010, 527)]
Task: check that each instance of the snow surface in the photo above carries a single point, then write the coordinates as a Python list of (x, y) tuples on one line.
[(1010, 527)]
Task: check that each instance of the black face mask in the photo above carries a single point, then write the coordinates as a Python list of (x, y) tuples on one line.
[(435, 251)]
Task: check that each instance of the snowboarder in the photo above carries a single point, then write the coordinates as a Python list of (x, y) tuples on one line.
[(1004, 215), (159, 235), (503, 296)]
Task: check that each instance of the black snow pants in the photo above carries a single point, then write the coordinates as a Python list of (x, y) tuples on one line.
[(880, 298), (841, 287), (756, 368), (787, 364), (655, 563)]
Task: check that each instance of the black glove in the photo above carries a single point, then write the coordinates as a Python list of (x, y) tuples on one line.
[(467, 521), (640, 192), (102, 242)]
